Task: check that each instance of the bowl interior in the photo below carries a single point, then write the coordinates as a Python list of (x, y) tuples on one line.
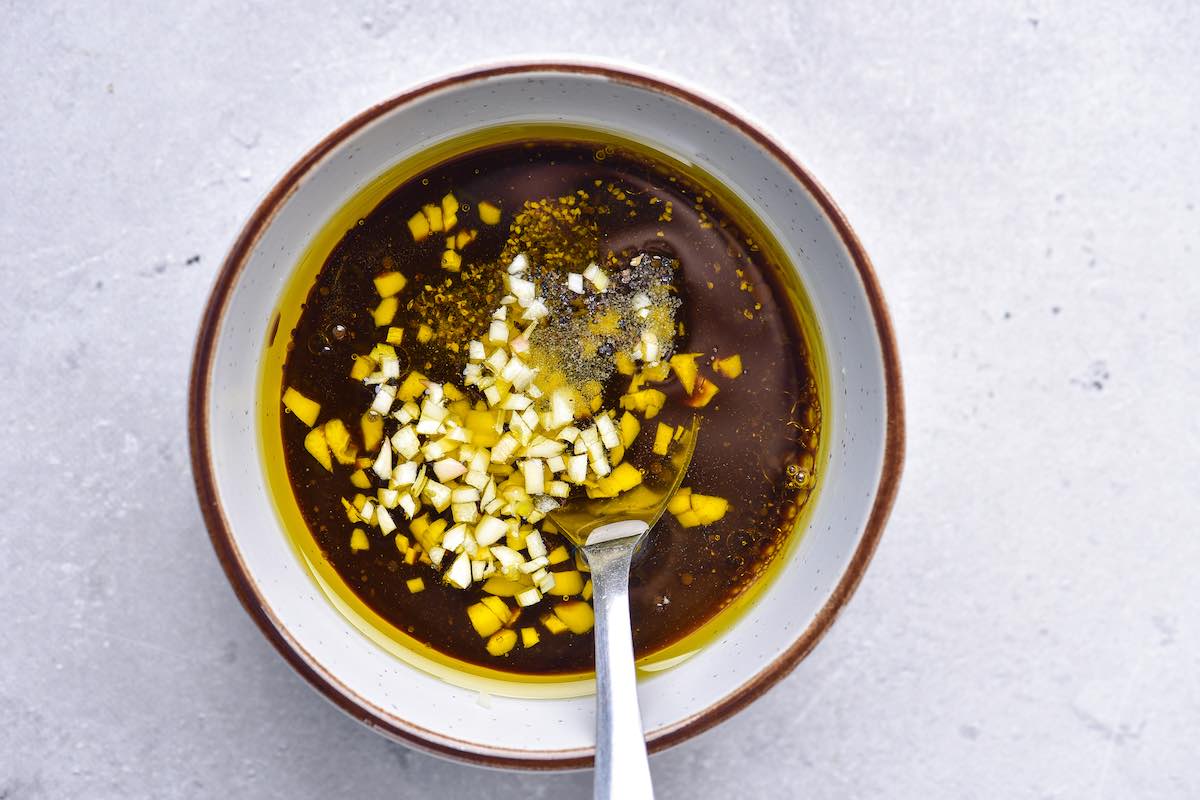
[(817, 572)]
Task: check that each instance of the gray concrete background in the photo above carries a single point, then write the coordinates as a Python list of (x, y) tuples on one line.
[(1025, 176)]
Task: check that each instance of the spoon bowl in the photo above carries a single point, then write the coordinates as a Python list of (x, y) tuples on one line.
[(645, 503)]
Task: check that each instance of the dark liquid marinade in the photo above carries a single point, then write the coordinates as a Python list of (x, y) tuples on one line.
[(757, 439)]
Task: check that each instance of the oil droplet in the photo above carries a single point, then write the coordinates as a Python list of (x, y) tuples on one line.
[(318, 344), (339, 332)]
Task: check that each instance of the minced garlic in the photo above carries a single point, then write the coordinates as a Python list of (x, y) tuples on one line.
[(475, 479)]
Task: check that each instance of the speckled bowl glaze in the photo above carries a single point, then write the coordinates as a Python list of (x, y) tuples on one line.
[(863, 417)]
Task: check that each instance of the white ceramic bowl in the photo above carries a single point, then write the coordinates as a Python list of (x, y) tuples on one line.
[(863, 419)]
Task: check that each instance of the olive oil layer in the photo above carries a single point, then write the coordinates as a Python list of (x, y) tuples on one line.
[(758, 438)]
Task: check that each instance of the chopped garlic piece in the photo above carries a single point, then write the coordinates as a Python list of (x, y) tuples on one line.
[(525, 291), (418, 225), (730, 367), (384, 398), (465, 494), (483, 619), (662, 439), (384, 520), (459, 574), (489, 214), (597, 277), (528, 597), (490, 530), (577, 468), (576, 615), (408, 506), (534, 471), (448, 469), (501, 642), (306, 410), (649, 346), (390, 283), (383, 463), (608, 432), (534, 545), (385, 312), (316, 445), (684, 366), (537, 310)]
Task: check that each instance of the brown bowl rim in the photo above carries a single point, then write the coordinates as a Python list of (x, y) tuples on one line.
[(469, 752)]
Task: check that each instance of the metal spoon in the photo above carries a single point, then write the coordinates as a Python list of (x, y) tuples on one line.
[(608, 532)]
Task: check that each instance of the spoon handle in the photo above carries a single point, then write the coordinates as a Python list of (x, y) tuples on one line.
[(622, 766)]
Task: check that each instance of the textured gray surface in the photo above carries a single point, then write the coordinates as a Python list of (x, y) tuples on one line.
[(1026, 180)]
